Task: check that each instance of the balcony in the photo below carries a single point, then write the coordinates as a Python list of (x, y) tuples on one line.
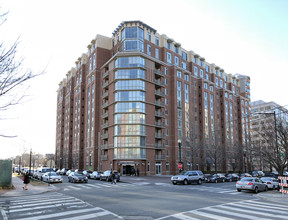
[(159, 124), (159, 93), (105, 94), (104, 75), (159, 114), (105, 115), (160, 157), (104, 136), (158, 72), (160, 104), (105, 84), (159, 83), (159, 146), (105, 125), (104, 147), (159, 135), (104, 157), (105, 105)]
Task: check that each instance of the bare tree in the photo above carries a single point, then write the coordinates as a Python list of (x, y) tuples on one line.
[(12, 76)]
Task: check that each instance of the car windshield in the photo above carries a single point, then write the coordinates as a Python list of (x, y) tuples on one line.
[(78, 174), (52, 174), (266, 179)]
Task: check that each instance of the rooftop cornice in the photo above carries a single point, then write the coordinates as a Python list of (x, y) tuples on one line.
[(134, 22)]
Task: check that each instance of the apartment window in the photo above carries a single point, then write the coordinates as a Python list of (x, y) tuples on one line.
[(179, 74), (157, 41), (166, 92), (207, 68), (195, 70), (176, 61), (169, 57), (148, 166), (184, 55), (166, 82), (166, 101), (186, 77), (166, 71), (167, 163), (207, 76), (149, 49), (176, 49), (216, 71), (156, 53), (221, 83), (195, 60), (211, 88), (201, 63), (201, 73), (205, 86), (184, 65), (149, 36), (169, 45)]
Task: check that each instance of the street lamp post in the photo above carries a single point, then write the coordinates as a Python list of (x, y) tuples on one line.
[(30, 162), (180, 160)]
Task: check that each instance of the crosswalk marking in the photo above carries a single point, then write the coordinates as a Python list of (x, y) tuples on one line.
[(248, 209), (93, 185)]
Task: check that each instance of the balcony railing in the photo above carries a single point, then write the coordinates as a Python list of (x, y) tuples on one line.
[(104, 147), (158, 103), (159, 135), (159, 93), (159, 83), (105, 115), (105, 94), (159, 114), (159, 72), (104, 136), (105, 125), (105, 105), (104, 85), (160, 157), (105, 74), (159, 146), (159, 124)]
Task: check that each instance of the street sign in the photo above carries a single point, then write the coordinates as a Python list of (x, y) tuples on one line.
[(180, 166)]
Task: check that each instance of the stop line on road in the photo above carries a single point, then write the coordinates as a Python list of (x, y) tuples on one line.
[(52, 206), (248, 209)]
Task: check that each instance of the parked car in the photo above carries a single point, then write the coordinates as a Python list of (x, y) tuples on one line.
[(63, 171), (41, 171), (106, 175), (52, 177), (75, 177), (257, 174), (215, 178), (271, 182), (245, 175), (231, 177), (188, 177), (272, 174), (69, 171), (95, 175), (87, 173), (79, 171), (254, 184)]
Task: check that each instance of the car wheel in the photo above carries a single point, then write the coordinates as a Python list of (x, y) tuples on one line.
[(239, 190), (69, 180), (174, 183), (256, 189), (185, 182), (199, 182), (266, 188), (273, 187)]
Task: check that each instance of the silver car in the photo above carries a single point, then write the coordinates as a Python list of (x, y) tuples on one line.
[(52, 177), (254, 184), (188, 177), (271, 182)]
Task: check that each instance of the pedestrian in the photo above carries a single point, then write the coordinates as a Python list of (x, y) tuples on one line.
[(137, 172), (113, 178), (26, 181)]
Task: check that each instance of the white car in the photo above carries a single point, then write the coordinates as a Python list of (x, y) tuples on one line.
[(95, 175), (271, 182), (52, 177)]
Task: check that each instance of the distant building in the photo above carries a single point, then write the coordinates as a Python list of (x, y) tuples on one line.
[(138, 100), (264, 116)]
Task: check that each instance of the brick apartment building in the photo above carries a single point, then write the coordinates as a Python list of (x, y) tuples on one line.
[(138, 100)]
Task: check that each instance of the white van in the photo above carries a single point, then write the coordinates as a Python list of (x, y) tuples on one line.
[(41, 171)]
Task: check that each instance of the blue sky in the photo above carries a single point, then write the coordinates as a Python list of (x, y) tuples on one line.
[(247, 37)]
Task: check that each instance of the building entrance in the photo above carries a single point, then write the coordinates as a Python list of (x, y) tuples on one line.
[(128, 170)]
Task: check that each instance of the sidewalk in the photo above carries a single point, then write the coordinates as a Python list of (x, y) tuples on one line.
[(18, 191), (274, 196)]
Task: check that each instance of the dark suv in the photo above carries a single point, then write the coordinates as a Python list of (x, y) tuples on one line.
[(188, 177)]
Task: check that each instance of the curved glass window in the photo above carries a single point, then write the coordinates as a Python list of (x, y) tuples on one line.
[(129, 130), (129, 153), (130, 85), (129, 141), (130, 74), (129, 62), (130, 107), (130, 96), (133, 45), (129, 118), (132, 33)]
